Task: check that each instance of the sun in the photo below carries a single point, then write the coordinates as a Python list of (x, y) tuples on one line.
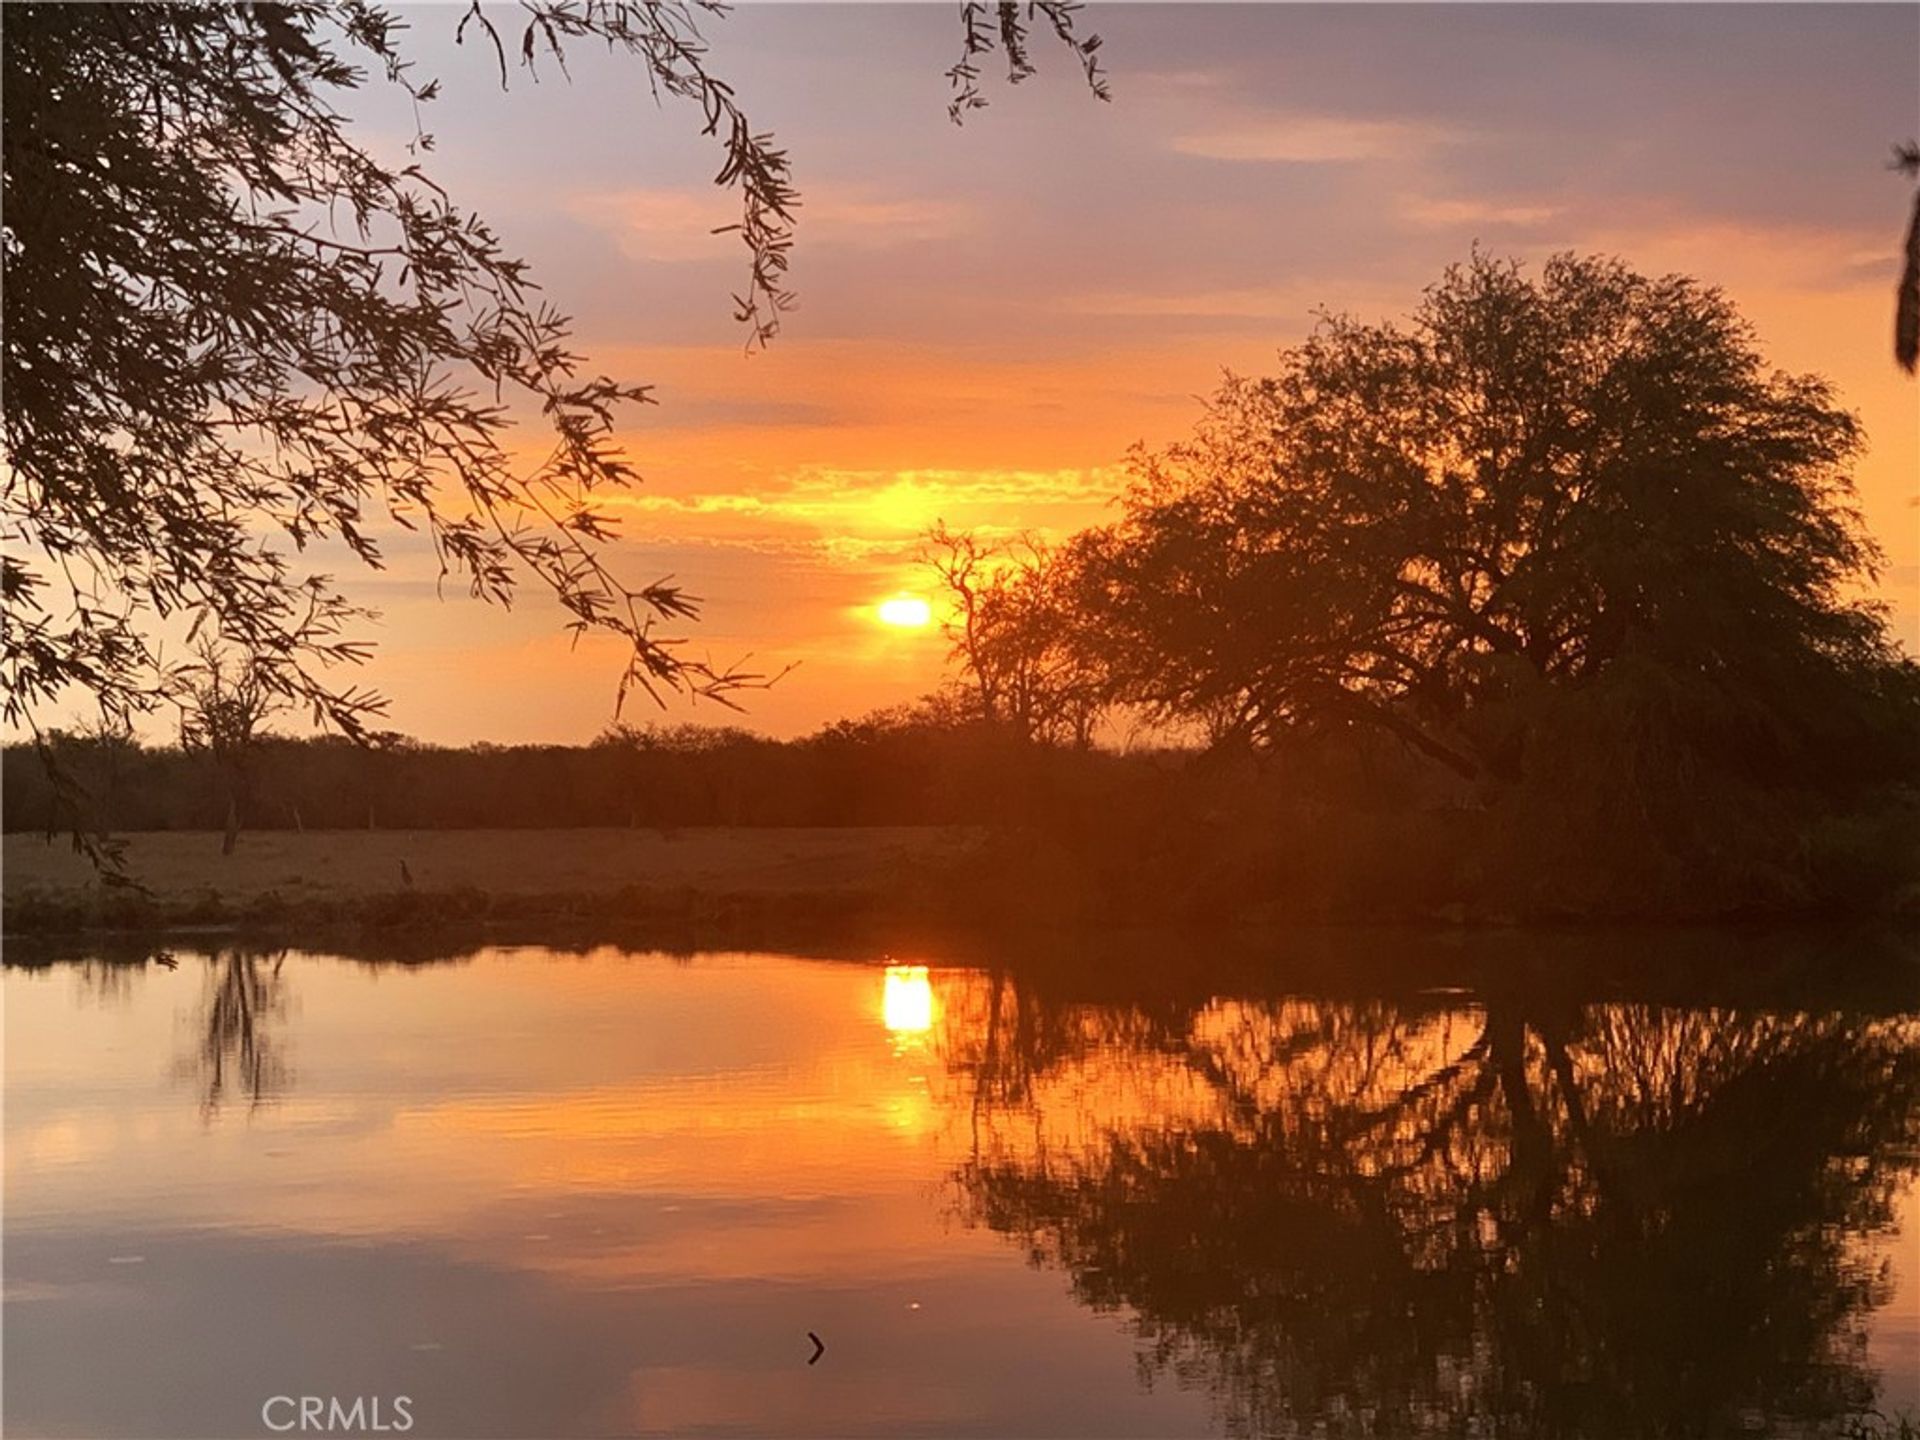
[(905, 612)]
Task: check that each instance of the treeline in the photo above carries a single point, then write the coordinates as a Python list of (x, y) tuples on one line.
[(1347, 823), (893, 768)]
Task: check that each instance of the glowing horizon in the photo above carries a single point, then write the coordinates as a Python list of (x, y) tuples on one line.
[(992, 315)]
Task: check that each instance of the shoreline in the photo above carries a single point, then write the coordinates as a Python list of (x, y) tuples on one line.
[(389, 880), (1787, 967), (696, 888)]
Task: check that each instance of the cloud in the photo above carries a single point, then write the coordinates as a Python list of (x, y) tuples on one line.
[(1747, 259), (834, 521), (720, 412), (663, 224), (1261, 302), (1181, 81), (691, 224), (866, 222), (1453, 214), (1311, 139), (888, 504)]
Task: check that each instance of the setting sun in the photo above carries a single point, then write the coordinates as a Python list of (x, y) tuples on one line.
[(905, 612)]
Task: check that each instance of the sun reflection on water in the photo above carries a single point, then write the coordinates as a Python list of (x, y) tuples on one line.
[(906, 1001)]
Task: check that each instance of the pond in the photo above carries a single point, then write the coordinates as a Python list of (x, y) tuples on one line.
[(531, 1192)]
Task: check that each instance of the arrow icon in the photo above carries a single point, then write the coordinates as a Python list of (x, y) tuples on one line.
[(819, 1347)]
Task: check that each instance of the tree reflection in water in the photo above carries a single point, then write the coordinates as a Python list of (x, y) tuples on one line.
[(235, 1047), (1492, 1217)]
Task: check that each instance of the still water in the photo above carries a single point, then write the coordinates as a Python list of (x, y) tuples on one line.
[(605, 1193)]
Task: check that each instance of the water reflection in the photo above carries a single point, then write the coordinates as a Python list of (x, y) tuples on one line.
[(1493, 1210), (236, 1044), (1352, 1217)]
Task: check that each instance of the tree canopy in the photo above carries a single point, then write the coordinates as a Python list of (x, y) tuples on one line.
[(1581, 481), (1017, 636)]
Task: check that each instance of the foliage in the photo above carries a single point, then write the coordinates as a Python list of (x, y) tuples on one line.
[(1352, 825), (1017, 636), (224, 701), (1581, 484), (1010, 33)]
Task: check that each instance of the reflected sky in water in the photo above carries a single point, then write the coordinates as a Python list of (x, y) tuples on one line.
[(569, 1195)]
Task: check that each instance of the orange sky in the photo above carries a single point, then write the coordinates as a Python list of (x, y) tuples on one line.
[(991, 315)]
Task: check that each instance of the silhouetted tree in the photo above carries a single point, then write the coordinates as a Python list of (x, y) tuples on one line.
[(1016, 635), (87, 769), (1585, 483), (223, 698)]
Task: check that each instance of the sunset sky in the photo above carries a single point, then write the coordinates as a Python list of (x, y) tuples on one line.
[(991, 315)]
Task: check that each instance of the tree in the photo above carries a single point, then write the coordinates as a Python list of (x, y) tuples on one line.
[(224, 698), (1581, 484), (232, 328), (1016, 634)]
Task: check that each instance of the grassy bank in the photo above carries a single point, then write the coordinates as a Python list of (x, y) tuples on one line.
[(1092, 867), (718, 883), (1328, 827)]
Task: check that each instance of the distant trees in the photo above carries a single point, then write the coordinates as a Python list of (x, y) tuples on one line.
[(918, 765), (1018, 635), (1581, 484), (224, 698)]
